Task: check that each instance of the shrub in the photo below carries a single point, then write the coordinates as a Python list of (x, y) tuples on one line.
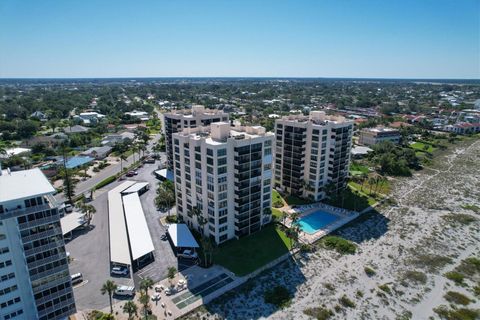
[(346, 302), (277, 203), (278, 296), (105, 182), (329, 286), (369, 271), (457, 298), (455, 277), (430, 262), (469, 266), (476, 290), (456, 314), (385, 288), (319, 313), (415, 276), (339, 244), (171, 219)]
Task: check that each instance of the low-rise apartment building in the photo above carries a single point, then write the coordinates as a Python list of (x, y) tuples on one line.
[(177, 120), (371, 136), (34, 277), (223, 179), (312, 152)]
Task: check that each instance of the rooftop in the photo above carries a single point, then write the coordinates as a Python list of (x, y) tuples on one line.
[(316, 117), (219, 132), (23, 184)]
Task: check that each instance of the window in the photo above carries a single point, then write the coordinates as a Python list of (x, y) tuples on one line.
[(222, 161), (176, 142), (222, 170), (222, 220), (267, 151), (221, 152), (210, 152)]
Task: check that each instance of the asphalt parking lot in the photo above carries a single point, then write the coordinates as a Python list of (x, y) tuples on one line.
[(90, 248), (164, 256)]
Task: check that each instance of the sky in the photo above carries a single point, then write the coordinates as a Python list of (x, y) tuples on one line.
[(240, 38)]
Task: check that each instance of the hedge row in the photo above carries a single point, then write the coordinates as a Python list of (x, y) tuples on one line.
[(104, 182)]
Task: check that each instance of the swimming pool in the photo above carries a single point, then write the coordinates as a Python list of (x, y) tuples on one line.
[(315, 221)]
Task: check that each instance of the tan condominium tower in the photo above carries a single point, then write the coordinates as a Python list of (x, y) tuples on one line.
[(312, 154), (223, 179)]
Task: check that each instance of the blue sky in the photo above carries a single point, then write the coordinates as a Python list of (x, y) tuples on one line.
[(281, 38)]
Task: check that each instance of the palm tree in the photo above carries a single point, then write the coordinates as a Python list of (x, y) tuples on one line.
[(109, 287), (87, 209), (123, 157), (130, 308), (294, 230), (207, 248), (171, 274), (146, 284), (145, 301)]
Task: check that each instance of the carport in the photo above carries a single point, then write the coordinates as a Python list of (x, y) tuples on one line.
[(141, 245), (119, 247), (181, 237)]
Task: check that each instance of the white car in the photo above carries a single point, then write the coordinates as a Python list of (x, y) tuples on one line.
[(158, 288), (125, 291), (189, 254), (155, 296), (120, 271), (170, 291)]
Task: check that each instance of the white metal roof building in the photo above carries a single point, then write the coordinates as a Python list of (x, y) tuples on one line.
[(119, 248), (181, 236), (136, 188), (140, 240), (72, 221)]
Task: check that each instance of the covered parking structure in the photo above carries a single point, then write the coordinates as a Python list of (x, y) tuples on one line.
[(72, 221), (139, 187), (119, 246), (141, 245), (181, 237)]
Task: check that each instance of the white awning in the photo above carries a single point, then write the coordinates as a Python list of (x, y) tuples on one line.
[(72, 221), (138, 233), (181, 236), (119, 249), (135, 188)]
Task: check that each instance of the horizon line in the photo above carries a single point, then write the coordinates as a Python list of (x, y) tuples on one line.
[(233, 77)]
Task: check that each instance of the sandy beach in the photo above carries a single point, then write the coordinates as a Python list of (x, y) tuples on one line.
[(408, 247)]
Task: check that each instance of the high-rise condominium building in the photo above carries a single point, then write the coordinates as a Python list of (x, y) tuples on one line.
[(177, 120), (34, 278), (223, 179), (311, 153)]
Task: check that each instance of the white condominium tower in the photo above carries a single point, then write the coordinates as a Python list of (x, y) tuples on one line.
[(311, 153), (34, 278), (177, 120), (223, 179)]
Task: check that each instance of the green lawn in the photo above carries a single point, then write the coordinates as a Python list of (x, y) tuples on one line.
[(250, 253), (351, 200), (277, 213), (420, 146), (276, 199), (358, 169), (293, 200)]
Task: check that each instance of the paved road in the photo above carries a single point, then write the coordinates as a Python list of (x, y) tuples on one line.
[(84, 186), (164, 256)]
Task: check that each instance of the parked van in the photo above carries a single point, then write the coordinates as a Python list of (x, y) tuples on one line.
[(125, 291), (76, 278)]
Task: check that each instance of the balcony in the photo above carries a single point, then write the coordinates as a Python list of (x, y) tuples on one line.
[(38, 222)]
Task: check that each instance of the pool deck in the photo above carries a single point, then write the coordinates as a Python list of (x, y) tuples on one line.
[(345, 216)]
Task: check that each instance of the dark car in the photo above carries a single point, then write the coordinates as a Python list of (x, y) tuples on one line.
[(130, 173)]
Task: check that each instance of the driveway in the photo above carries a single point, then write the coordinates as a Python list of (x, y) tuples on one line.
[(164, 256)]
